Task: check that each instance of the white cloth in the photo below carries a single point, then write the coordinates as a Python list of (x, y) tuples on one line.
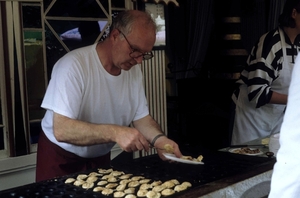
[(80, 88), (267, 119), (286, 174)]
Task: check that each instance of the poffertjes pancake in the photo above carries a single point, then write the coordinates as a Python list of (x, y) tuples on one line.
[(139, 186)]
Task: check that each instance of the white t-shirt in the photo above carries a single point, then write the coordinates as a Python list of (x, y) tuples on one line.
[(80, 88), (286, 174)]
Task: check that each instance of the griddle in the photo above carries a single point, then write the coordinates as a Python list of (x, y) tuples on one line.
[(217, 166)]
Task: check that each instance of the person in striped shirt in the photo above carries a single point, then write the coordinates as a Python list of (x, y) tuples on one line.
[(261, 97)]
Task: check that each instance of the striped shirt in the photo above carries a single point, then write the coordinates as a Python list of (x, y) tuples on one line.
[(264, 65)]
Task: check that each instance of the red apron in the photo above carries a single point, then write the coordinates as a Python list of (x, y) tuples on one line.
[(53, 161)]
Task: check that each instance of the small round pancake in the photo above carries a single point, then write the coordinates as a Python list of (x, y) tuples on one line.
[(125, 181), (144, 181), (187, 184), (119, 194), (102, 183), (105, 171), (169, 184), (70, 180), (98, 189), (107, 191), (142, 193), (126, 176), (87, 185), (167, 192), (91, 179), (136, 178), (94, 174), (129, 191), (159, 188), (133, 184), (79, 182), (111, 185), (121, 187), (156, 183), (169, 148), (117, 173), (180, 188), (130, 196), (112, 179), (145, 186), (153, 194), (82, 176)]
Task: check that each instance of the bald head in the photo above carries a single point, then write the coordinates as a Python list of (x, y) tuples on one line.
[(126, 20)]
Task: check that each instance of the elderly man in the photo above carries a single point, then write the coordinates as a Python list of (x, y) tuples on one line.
[(93, 96)]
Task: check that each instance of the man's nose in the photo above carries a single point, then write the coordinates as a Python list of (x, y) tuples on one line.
[(139, 60)]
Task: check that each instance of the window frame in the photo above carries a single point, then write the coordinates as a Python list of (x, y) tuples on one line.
[(13, 50)]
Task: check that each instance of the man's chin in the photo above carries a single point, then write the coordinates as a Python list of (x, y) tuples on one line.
[(127, 67)]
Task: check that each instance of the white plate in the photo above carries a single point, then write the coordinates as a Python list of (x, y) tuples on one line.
[(234, 150), (174, 158)]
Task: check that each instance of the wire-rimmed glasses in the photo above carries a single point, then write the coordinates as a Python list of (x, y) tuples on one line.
[(136, 53)]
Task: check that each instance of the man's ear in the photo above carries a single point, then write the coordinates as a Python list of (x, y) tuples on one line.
[(114, 34)]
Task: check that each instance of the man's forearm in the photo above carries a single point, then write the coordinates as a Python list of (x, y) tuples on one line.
[(81, 133), (148, 127), (278, 98)]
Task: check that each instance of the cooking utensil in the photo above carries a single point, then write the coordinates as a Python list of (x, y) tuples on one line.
[(248, 145), (176, 159), (162, 149), (156, 148)]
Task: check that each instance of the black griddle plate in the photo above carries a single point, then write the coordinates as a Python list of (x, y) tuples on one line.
[(217, 165)]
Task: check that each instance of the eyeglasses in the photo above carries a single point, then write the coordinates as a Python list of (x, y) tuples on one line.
[(136, 53)]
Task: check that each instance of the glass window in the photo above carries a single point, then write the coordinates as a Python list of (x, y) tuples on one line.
[(44, 30)]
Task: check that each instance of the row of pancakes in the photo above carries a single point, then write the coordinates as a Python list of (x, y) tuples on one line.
[(115, 183)]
